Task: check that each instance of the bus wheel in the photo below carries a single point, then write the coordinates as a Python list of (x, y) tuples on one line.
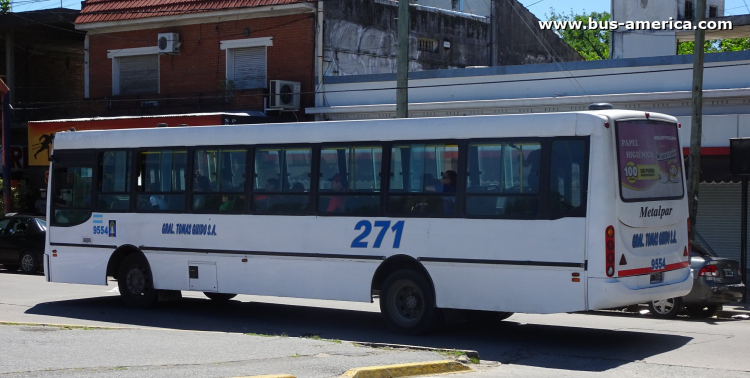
[(665, 308), (407, 303), (219, 297), (135, 283)]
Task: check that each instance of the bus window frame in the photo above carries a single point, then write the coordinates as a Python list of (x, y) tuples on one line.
[(460, 179), (188, 180), (73, 158), (192, 150), (317, 175), (580, 211), (617, 159), (314, 149), (545, 144), (131, 189)]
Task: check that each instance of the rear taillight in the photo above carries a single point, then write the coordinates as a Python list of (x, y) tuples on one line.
[(709, 271), (609, 237)]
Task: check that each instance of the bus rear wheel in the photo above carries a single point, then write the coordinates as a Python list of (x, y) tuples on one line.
[(407, 303), (219, 297), (135, 282)]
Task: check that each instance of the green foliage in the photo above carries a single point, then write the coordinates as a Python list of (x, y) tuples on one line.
[(591, 44), (20, 195), (4, 6), (716, 45)]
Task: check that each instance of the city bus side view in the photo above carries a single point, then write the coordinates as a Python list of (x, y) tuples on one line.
[(538, 213)]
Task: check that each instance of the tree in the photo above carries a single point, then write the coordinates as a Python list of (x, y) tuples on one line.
[(4, 6), (591, 44), (716, 45)]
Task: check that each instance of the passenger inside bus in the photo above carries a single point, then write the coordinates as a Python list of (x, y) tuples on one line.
[(338, 184)]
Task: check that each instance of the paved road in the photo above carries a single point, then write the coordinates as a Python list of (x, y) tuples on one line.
[(196, 337)]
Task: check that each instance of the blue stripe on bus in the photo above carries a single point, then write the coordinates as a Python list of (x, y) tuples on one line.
[(98, 221)]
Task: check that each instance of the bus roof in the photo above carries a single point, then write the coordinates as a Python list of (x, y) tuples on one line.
[(489, 126)]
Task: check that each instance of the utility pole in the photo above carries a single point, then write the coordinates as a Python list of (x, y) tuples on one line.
[(402, 61), (5, 122), (694, 160)]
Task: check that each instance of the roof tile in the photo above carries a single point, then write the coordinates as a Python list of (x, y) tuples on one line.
[(117, 10)]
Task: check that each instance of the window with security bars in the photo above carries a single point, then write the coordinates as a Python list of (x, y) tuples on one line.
[(427, 44), (247, 67), (137, 74)]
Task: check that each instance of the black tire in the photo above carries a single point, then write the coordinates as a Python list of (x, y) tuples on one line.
[(219, 297), (407, 302), (29, 263), (11, 267), (488, 317), (703, 312), (135, 282), (665, 308)]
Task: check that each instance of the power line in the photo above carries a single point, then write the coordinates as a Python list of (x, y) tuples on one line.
[(222, 95)]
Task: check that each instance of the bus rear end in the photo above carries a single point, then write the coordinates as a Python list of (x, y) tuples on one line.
[(642, 253)]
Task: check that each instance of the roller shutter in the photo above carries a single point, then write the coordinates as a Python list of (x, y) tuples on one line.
[(250, 67), (719, 212), (139, 74)]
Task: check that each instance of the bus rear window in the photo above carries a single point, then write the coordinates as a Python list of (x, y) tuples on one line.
[(649, 159)]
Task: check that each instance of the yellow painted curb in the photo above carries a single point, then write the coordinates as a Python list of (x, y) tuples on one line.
[(406, 370), (270, 376)]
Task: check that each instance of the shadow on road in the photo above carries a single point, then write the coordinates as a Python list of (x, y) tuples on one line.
[(557, 347)]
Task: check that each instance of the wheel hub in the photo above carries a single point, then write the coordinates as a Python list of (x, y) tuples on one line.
[(27, 263), (136, 281)]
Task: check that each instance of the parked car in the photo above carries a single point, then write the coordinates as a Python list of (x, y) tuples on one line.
[(717, 281), (22, 242)]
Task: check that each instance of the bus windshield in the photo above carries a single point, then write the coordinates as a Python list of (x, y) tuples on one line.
[(649, 161)]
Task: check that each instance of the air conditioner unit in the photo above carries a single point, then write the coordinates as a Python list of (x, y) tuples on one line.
[(168, 43), (285, 95)]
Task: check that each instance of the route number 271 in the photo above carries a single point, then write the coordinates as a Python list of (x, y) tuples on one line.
[(366, 228)]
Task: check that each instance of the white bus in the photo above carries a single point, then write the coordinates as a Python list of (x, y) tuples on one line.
[(537, 213)]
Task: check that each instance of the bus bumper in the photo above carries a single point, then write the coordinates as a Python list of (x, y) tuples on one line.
[(607, 293)]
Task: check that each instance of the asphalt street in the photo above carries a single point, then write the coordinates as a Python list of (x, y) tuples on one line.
[(308, 338)]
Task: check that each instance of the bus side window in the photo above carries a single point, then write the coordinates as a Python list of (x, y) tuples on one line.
[(423, 180), (503, 179), (349, 180), (72, 195), (113, 187), (219, 180), (282, 180), (567, 177), (161, 180)]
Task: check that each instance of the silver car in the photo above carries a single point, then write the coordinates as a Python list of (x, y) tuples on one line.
[(717, 280)]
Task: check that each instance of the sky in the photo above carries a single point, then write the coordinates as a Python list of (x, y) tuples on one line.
[(540, 8)]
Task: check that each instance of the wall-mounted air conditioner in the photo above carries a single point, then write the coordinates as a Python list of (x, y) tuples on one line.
[(285, 95), (168, 43)]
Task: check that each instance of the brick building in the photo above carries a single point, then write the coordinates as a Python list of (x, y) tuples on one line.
[(215, 55)]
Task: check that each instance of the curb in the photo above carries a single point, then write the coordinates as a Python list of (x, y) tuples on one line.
[(468, 353), (406, 370), (269, 376)]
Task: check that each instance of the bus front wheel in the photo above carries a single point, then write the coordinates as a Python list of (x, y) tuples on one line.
[(407, 303), (135, 282)]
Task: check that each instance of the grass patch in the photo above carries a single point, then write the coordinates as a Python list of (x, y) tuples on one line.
[(296, 355), (452, 353), (317, 337), (457, 353), (259, 334)]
